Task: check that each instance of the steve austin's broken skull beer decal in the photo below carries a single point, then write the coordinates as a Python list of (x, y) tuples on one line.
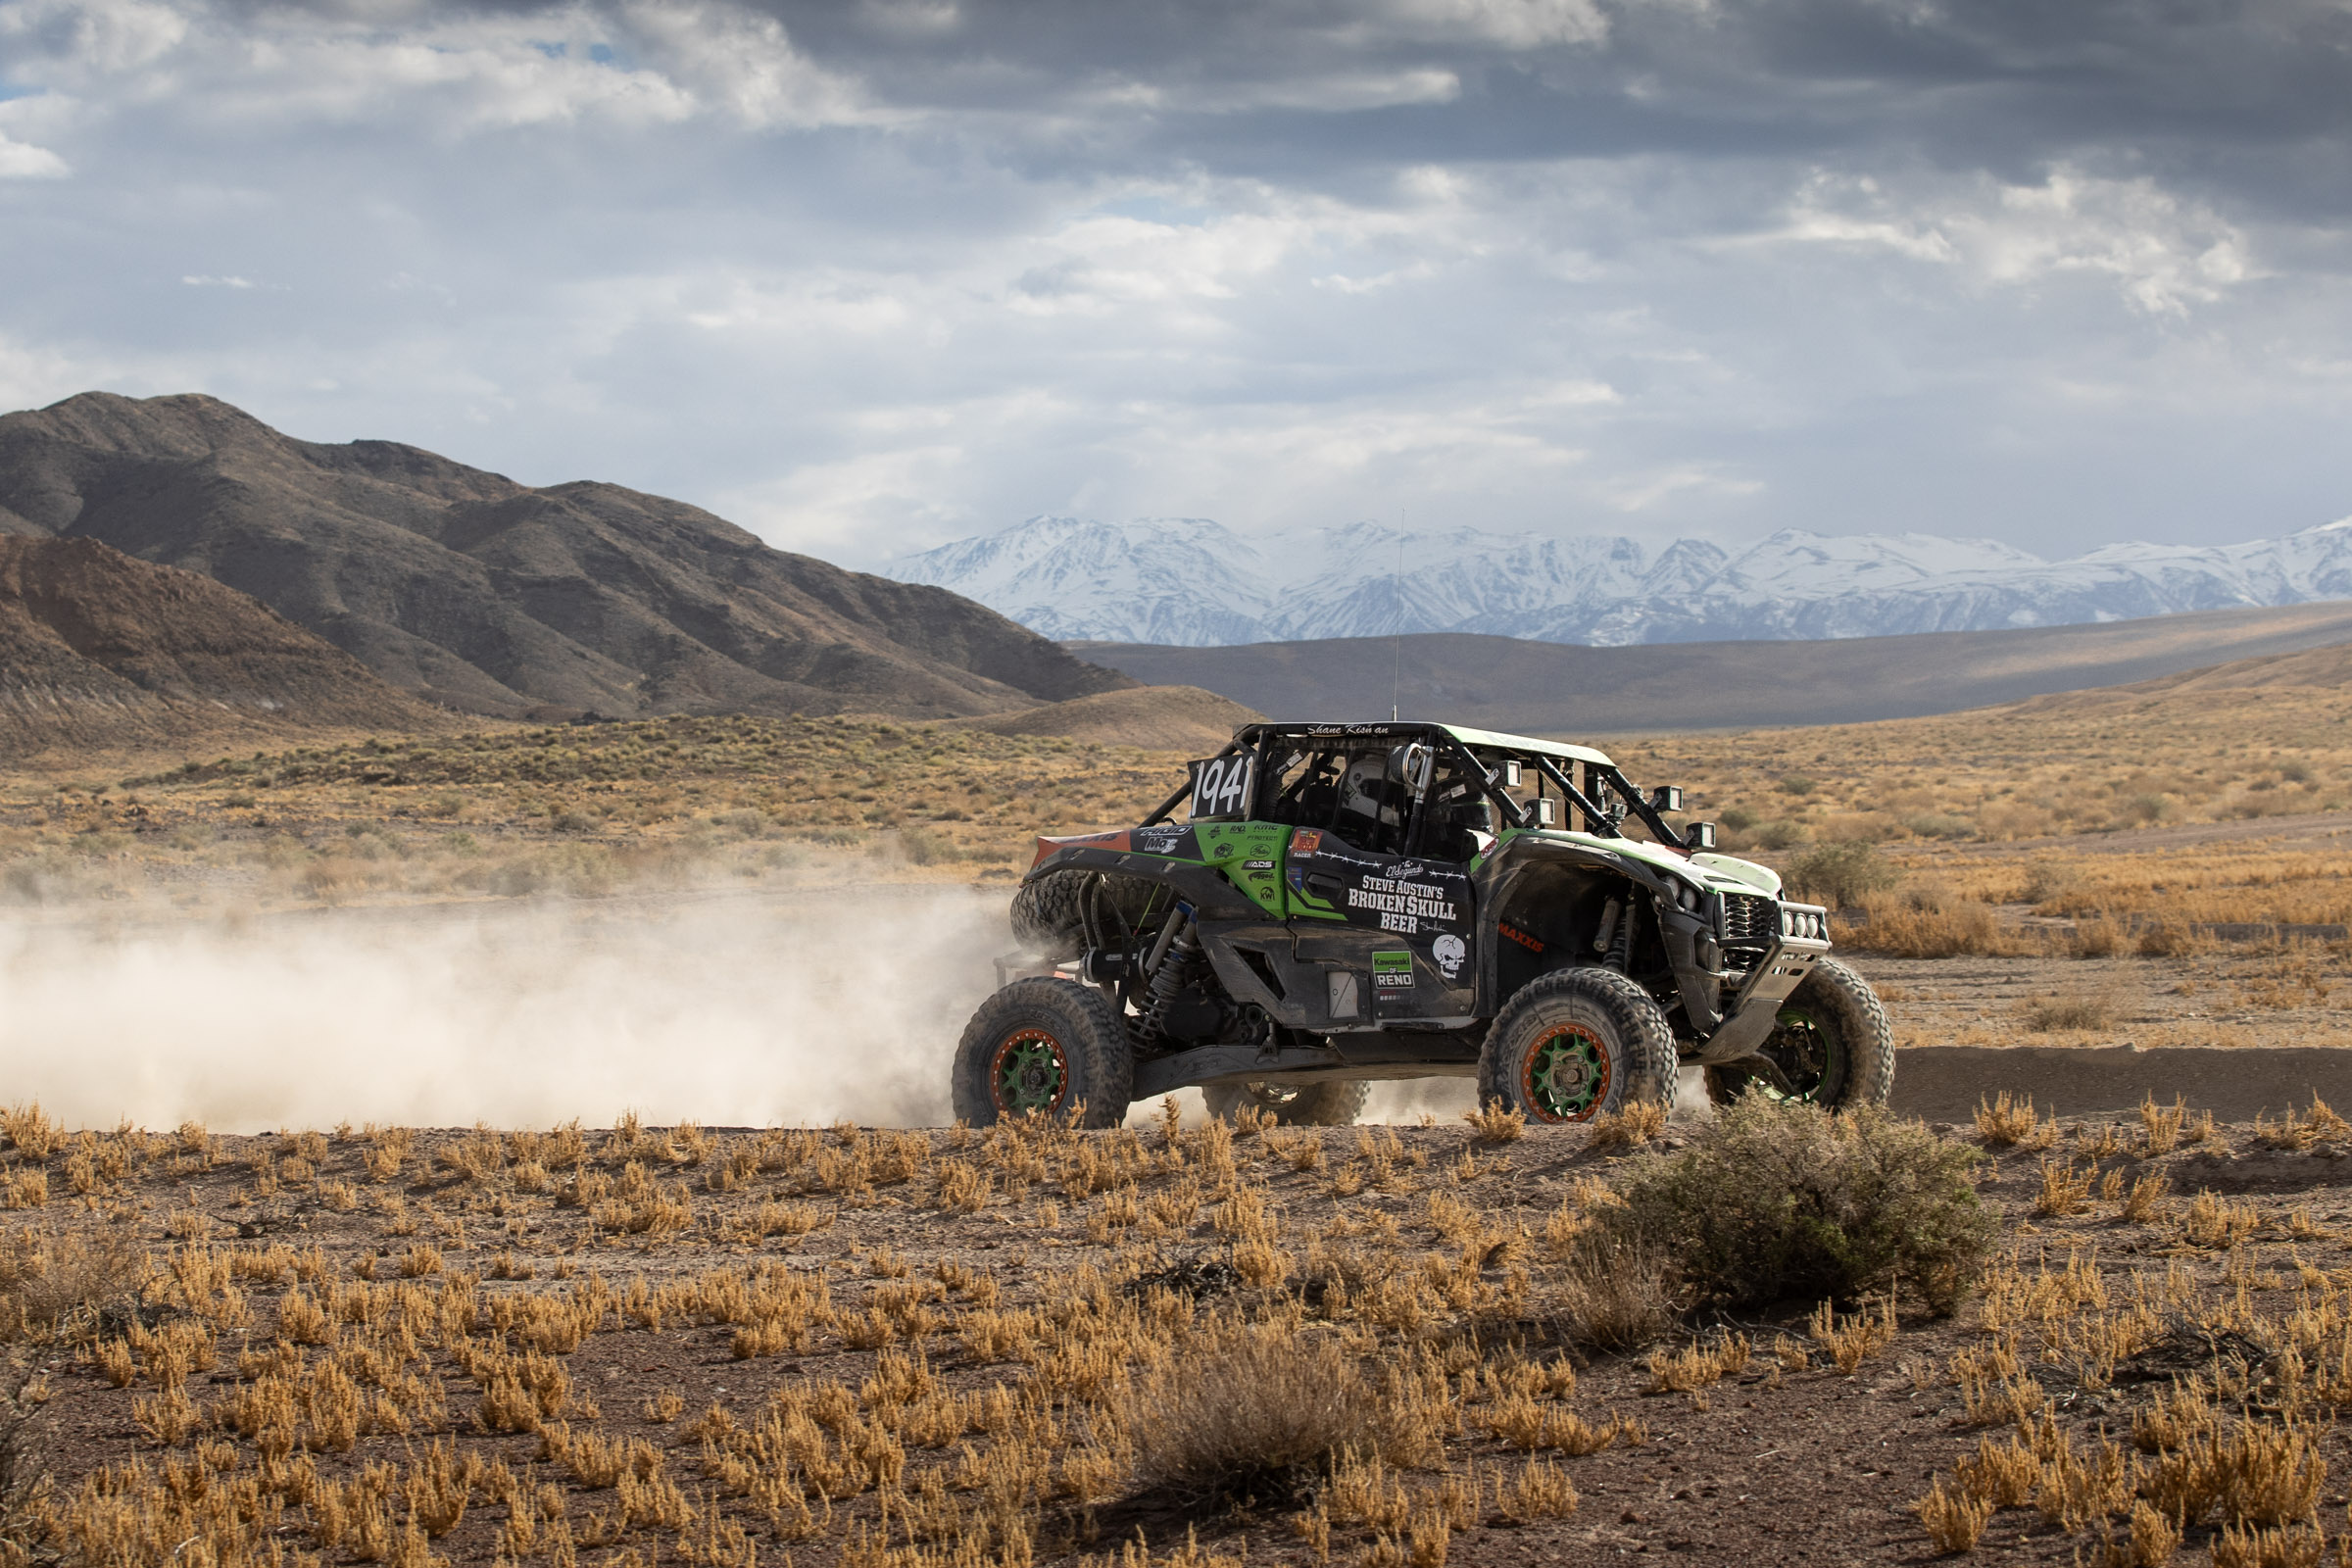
[(1424, 905)]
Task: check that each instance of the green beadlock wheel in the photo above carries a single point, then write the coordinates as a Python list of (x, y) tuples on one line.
[(1567, 1074), (1028, 1073)]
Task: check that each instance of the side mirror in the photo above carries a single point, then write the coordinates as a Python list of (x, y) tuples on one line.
[(1547, 812), (1410, 765), (1666, 798), (1700, 835)]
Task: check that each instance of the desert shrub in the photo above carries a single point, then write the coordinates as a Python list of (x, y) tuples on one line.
[(1778, 834), (923, 846), (25, 1481), (2049, 880), (1255, 1412), (1774, 1200), (1796, 784), (1926, 921), (1615, 1291), (2172, 939), (2097, 937), (1736, 819), (1840, 875), (1939, 825), (2086, 1012), (2014, 820), (1857, 827), (49, 1283)]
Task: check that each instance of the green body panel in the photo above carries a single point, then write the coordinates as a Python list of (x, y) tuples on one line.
[(1250, 854)]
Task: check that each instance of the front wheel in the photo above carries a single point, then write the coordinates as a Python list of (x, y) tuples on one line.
[(1577, 1044), (1044, 1047), (1326, 1104), (1833, 1046)]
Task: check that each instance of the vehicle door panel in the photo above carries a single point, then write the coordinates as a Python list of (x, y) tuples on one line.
[(1402, 923)]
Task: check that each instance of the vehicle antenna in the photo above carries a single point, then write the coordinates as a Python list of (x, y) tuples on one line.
[(1396, 639)]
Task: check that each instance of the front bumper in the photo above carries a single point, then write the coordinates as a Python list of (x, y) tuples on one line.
[(1803, 939)]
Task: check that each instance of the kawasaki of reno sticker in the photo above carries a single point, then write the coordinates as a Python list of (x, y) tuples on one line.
[(1393, 971)]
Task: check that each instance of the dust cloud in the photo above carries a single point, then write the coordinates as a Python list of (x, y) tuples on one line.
[(745, 1008), (755, 1007)]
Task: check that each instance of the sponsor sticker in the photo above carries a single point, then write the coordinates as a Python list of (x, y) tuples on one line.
[(1520, 937), (1159, 840), (1258, 865), (1392, 970), (1307, 841), (1410, 900), (1447, 953)]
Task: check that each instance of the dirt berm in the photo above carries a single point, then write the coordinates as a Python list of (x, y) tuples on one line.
[(1944, 1082)]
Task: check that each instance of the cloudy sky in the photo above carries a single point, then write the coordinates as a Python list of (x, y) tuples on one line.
[(869, 275)]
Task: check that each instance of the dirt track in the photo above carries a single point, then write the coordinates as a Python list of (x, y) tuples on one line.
[(1944, 1082)]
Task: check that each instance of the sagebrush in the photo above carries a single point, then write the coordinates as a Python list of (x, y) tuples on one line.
[(1774, 1200)]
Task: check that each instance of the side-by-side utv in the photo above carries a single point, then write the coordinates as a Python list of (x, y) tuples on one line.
[(1346, 902)]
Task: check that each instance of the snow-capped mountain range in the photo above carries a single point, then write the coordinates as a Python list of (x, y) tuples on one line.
[(1194, 582)]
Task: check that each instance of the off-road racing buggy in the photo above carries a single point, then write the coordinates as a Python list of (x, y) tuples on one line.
[(1346, 902)]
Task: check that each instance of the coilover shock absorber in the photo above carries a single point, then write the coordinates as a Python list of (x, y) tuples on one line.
[(1171, 955)]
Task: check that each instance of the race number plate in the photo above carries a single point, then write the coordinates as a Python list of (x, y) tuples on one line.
[(1224, 786)]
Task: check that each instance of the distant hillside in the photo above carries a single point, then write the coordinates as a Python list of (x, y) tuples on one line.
[(1554, 688), (474, 591), (101, 652)]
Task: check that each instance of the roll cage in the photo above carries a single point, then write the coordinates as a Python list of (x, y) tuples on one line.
[(1603, 782)]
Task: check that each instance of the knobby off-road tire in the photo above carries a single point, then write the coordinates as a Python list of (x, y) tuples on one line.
[(1833, 1043), (1326, 1104), (1047, 919), (1041, 1046), (1577, 1044)]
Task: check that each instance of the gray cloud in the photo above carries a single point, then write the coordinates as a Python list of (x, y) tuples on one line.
[(872, 274)]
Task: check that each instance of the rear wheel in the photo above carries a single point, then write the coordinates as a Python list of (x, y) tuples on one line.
[(1326, 1104), (1041, 1047), (1577, 1044), (1832, 1046), (1047, 915)]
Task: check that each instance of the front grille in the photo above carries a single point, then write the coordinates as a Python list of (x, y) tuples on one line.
[(1749, 920)]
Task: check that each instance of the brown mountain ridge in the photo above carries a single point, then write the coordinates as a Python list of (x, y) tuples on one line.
[(101, 651), (470, 590)]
